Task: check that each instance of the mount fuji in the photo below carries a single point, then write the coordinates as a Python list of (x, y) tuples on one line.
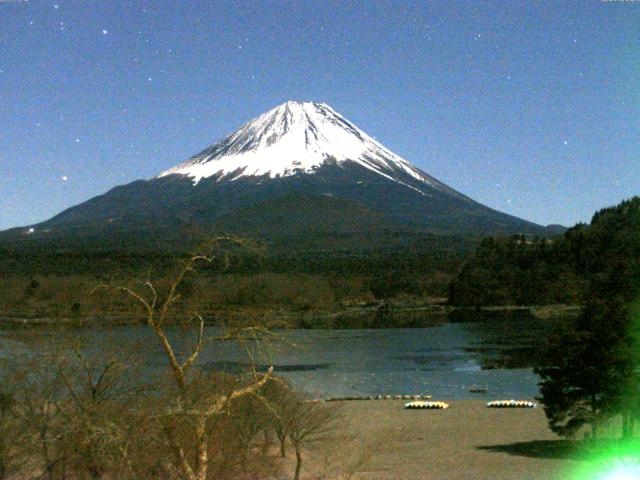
[(298, 169)]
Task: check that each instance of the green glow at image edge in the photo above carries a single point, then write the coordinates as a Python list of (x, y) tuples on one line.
[(617, 462), (613, 459)]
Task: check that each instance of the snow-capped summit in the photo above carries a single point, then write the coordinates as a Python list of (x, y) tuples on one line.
[(297, 137), (298, 170)]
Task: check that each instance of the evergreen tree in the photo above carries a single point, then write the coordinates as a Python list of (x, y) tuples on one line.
[(592, 371)]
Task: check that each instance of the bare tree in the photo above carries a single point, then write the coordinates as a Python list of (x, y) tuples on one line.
[(187, 418), (282, 407), (311, 423), (96, 386), (39, 419), (87, 414), (69, 402)]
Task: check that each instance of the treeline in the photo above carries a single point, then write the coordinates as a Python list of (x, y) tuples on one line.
[(518, 271), (276, 276), (74, 296), (332, 254)]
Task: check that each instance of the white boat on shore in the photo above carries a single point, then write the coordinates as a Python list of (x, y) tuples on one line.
[(511, 404)]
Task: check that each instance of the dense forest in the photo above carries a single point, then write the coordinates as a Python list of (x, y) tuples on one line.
[(285, 275), (299, 275), (590, 368), (518, 271)]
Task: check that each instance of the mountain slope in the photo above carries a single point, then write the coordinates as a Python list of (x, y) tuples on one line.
[(313, 167)]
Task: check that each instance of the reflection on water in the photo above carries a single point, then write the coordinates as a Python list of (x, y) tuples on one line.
[(445, 360)]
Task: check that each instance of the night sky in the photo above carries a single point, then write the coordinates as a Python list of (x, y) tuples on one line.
[(532, 108)]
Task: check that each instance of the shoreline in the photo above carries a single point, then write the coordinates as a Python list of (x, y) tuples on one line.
[(302, 320)]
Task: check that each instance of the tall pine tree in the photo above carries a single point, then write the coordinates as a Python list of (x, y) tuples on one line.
[(592, 371)]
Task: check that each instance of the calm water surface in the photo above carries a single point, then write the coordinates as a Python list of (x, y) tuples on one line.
[(443, 361)]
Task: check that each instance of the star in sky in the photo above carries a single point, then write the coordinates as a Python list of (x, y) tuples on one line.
[(471, 62)]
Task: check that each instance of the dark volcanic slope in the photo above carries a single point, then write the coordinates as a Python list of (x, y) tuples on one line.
[(300, 167)]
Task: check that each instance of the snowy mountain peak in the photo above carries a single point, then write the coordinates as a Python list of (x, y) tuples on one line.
[(299, 171), (293, 138)]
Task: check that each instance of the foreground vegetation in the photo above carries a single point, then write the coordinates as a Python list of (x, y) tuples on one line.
[(71, 410), (591, 372)]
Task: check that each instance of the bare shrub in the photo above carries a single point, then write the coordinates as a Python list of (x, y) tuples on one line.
[(11, 456), (76, 406)]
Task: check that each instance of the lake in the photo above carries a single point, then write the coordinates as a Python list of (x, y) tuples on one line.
[(443, 361)]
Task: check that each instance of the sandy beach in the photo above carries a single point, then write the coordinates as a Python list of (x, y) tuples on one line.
[(466, 441)]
